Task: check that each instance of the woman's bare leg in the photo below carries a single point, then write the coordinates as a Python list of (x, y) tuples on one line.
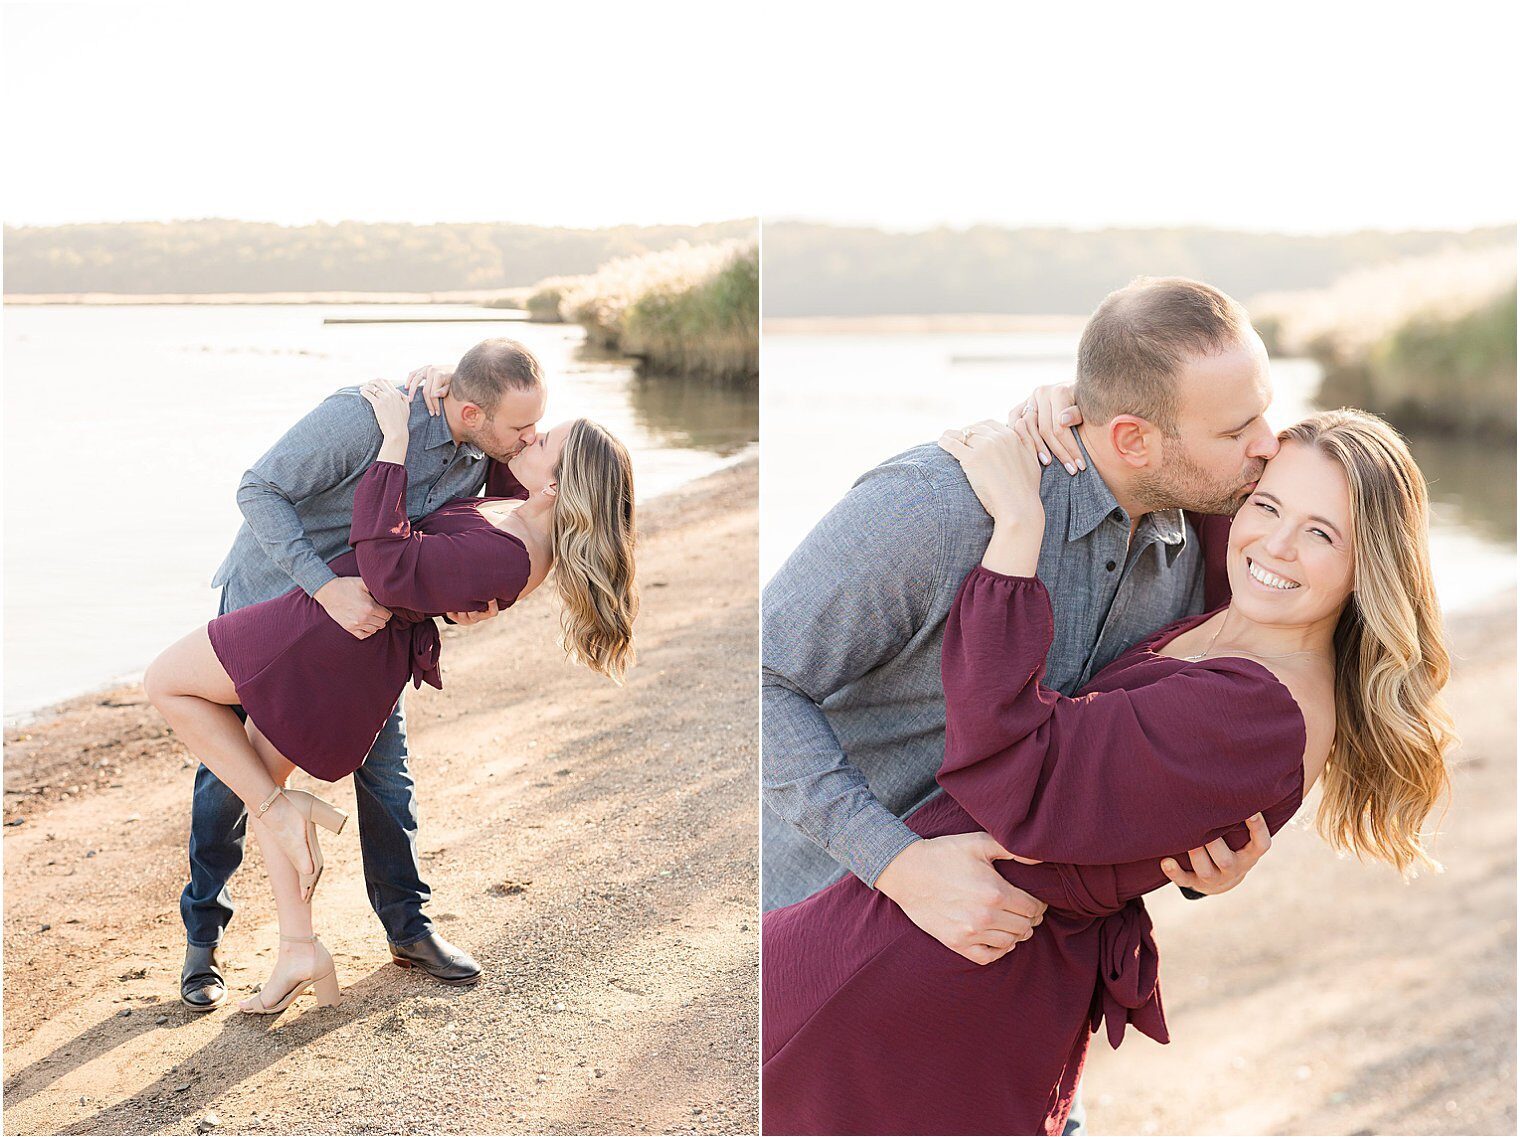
[(296, 961), (192, 690)]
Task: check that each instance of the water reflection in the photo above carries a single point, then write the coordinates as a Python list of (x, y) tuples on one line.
[(176, 401), (696, 414), (681, 411), (1472, 482)]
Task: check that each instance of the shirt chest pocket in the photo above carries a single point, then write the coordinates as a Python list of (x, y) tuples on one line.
[(431, 487)]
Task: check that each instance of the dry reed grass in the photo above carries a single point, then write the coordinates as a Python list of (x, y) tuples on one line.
[(688, 310)]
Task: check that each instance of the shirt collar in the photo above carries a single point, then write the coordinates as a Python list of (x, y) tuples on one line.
[(1168, 526), (438, 434), (1092, 501)]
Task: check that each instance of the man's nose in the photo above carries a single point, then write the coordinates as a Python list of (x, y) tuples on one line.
[(529, 436), (1265, 445)]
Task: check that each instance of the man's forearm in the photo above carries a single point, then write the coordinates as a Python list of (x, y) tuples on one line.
[(850, 596), (809, 782), (334, 441), (277, 527)]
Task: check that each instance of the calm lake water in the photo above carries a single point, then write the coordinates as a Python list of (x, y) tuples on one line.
[(127, 430), (835, 405)]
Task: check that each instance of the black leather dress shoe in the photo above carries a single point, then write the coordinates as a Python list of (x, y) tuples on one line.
[(440, 959), (201, 986)]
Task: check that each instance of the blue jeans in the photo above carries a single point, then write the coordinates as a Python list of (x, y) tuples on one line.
[(387, 802), (1076, 1120)]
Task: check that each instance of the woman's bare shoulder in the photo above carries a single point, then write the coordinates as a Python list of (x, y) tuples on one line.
[(1312, 685), (540, 552)]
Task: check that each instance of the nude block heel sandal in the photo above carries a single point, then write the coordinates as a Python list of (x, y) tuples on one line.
[(324, 985), (325, 814), (317, 812)]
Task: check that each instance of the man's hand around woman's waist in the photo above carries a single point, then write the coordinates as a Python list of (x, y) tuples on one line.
[(1216, 867), (347, 600), (949, 887), (468, 618)]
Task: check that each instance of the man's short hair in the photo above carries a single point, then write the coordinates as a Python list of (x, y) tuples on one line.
[(492, 368), (1136, 342)]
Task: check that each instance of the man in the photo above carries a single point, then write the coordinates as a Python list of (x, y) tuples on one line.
[(297, 505), (1172, 386)]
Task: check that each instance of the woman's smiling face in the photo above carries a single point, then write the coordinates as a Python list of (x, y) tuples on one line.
[(1290, 557), (535, 464)]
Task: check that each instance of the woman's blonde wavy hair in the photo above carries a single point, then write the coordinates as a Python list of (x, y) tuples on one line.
[(1387, 767), (593, 538)]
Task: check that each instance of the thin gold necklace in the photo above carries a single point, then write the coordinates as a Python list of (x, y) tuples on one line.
[(1204, 653)]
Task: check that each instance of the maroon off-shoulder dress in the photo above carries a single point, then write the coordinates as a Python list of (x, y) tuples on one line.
[(318, 694), (870, 1026)]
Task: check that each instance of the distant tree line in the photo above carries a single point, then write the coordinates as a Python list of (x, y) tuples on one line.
[(248, 256), (826, 270)]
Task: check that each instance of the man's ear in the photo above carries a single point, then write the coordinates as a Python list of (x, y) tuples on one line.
[(471, 415), (1135, 440)]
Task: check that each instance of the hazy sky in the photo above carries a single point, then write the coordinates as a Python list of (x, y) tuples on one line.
[(1298, 116), (410, 112)]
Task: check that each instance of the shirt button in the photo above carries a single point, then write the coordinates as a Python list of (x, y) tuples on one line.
[(1110, 566)]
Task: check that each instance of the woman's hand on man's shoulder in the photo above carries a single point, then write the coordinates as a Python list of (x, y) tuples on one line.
[(1002, 464)]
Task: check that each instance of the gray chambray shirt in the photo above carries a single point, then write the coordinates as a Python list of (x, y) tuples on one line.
[(852, 706), (298, 499)]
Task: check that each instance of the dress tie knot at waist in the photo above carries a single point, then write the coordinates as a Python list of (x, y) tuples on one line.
[(1129, 993), (426, 647)]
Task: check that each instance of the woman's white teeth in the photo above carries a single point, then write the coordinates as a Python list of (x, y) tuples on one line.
[(1271, 580)]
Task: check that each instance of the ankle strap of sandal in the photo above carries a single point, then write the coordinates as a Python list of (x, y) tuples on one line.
[(299, 939), (268, 801)]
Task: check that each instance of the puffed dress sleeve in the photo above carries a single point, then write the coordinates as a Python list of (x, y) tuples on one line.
[(430, 573), (1111, 776)]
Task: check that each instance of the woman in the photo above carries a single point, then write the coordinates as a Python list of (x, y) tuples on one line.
[(316, 697), (1325, 665)]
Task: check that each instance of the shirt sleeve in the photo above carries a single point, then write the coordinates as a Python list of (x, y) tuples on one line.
[(1107, 777), (326, 448), (853, 593), (430, 573)]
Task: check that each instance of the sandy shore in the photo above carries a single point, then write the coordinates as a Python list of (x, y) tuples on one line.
[(1323, 996), (594, 847)]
